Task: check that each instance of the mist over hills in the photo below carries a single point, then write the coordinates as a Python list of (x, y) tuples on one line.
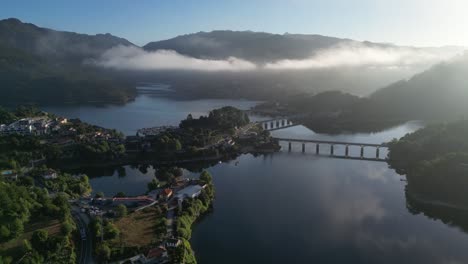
[(44, 66), (265, 66), (437, 94), (40, 65), (440, 92)]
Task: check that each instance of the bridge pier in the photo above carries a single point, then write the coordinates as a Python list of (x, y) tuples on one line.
[(377, 152), (362, 152), (289, 146), (332, 150), (277, 123), (303, 147), (347, 151), (282, 122), (317, 149)]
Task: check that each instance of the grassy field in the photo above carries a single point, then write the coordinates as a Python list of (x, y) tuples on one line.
[(14, 248), (138, 229)]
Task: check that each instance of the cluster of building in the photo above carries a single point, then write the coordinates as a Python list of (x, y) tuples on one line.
[(48, 174), (32, 126), (154, 131), (101, 206), (181, 190), (173, 196), (157, 255)]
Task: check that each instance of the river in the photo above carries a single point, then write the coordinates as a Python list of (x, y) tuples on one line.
[(290, 207)]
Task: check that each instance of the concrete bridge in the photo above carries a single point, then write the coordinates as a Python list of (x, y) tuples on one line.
[(332, 145), (277, 123)]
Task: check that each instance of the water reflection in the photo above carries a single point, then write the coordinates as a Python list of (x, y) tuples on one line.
[(300, 208), (149, 109), (294, 207)]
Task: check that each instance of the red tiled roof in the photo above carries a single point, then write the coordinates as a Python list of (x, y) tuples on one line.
[(156, 252), (167, 192)]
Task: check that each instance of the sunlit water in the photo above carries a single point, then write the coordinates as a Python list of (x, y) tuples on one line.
[(290, 207), (149, 109)]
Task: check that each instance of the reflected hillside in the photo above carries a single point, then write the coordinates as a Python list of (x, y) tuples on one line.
[(449, 215)]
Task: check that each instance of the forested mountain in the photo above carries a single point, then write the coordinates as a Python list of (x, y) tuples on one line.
[(438, 93), (55, 45), (40, 65), (259, 47)]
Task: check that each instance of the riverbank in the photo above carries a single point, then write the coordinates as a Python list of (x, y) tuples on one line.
[(145, 158), (437, 203), (188, 213)]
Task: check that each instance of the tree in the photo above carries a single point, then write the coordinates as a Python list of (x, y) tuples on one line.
[(6, 260), (164, 174), (122, 210), (67, 228), (177, 145), (17, 227), (103, 252), (26, 181), (26, 245), (205, 177), (110, 231), (39, 240), (4, 233), (153, 185), (99, 195), (120, 194), (178, 172), (6, 117)]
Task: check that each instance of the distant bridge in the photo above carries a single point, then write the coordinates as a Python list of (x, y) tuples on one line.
[(284, 122), (332, 145), (276, 124)]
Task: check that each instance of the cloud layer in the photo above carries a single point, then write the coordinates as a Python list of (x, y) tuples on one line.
[(360, 55), (133, 58), (353, 54)]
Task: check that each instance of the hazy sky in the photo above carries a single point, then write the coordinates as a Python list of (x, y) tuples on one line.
[(408, 22)]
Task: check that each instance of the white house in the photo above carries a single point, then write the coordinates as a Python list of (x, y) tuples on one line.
[(173, 242), (191, 191), (49, 174)]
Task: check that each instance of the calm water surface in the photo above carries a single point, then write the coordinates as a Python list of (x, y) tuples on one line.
[(150, 108), (292, 207)]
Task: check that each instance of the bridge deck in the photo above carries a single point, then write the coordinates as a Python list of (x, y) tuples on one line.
[(351, 157), (330, 142), (272, 120), (283, 127)]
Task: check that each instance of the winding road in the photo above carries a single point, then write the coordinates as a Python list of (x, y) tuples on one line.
[(86, 248)]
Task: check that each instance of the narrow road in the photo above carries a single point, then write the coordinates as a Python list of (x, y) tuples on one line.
[(170, 222), (86, 248)]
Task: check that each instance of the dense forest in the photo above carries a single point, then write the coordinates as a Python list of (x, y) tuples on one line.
[(435, 161), (34, 226), (227, 117)]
